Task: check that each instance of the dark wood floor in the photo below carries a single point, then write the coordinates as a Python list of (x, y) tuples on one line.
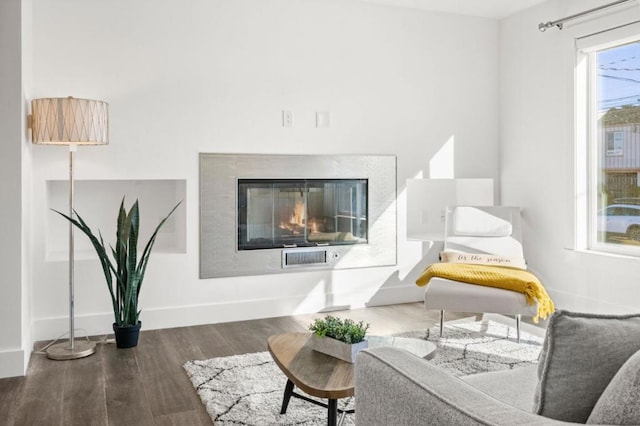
[(146, 385)]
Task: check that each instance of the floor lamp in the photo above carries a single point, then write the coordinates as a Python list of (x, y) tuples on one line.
[(70, 121)]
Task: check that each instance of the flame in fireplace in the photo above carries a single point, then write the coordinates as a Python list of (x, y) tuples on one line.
[(298, 217), (298, 220)]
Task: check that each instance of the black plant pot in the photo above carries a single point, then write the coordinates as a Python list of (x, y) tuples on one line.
[(127, 336)]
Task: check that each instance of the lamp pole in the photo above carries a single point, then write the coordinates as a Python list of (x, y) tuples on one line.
[(81, 348), (72, 149)]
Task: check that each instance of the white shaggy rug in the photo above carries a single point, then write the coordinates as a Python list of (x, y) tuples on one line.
[(478, 347), (248, 389)]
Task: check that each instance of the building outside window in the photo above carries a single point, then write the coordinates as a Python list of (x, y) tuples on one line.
[(613, 153), (614, 142)]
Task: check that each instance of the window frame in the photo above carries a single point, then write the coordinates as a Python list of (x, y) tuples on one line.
[(587, 150)]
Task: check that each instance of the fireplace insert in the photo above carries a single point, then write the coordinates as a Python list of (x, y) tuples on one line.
[(283, 213)]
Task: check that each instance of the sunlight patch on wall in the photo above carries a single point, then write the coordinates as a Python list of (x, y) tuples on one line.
[(441, 165), (316, 298), (338, 290)]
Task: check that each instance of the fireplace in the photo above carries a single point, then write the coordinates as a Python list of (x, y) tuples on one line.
[(288, 213), (262, 214)]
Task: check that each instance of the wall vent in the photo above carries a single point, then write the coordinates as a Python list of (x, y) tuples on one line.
[(302, 257)]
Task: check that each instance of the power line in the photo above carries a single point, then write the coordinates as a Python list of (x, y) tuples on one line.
[(619, 78), (618, 102), (619, 69), (622, 60)]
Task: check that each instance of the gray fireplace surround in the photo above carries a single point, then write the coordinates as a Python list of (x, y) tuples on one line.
[(220, 175)]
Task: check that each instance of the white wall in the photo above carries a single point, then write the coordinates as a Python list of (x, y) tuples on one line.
[(15, 337), (27, 216), (537, 159), (213, 76)]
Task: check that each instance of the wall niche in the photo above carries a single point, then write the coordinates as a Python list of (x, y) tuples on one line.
[(97, 201)]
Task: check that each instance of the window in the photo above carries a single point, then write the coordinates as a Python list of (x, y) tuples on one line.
[(614, 142), (612, 86)]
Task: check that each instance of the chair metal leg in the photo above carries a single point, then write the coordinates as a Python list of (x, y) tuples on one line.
[(441, 321), (518, 317)]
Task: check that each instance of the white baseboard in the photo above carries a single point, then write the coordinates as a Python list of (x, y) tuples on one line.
[(13, 363), (397, 294), (179, 316), (576, 303)]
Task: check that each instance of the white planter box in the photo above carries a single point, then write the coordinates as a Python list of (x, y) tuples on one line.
[(335, 348)]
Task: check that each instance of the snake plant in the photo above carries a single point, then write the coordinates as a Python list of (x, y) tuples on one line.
[(125, 267)]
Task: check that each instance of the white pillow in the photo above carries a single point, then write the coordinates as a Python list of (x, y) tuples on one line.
[(482, 259), (473, 222)]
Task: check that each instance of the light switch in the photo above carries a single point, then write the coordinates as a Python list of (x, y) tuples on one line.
[(287, 118), (323, 120)]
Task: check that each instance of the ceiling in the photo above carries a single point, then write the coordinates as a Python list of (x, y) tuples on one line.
[(496, 9)]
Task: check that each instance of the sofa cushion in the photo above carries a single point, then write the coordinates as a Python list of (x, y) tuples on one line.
[(580, 356), (514, 387), (618, 404)]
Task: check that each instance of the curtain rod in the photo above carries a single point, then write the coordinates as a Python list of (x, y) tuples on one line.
[(559, 22)]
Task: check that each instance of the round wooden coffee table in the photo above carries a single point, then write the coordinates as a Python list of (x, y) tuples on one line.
[(324, 376)]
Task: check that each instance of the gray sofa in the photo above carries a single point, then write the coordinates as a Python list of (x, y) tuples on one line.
[(588, 372)]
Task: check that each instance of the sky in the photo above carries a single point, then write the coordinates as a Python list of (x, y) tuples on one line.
[(619, 76)]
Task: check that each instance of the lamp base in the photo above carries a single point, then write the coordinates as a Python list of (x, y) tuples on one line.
[(62, 351)]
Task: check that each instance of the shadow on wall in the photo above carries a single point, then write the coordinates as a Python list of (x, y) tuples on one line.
[(441, 166), (430, 254)]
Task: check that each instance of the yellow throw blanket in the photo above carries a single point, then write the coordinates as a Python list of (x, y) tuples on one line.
[(494, 276)]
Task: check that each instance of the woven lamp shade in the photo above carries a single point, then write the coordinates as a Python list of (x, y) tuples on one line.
[(66, 121)]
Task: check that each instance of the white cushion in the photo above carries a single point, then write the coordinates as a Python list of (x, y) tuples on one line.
[(471, 221), (450, 295)]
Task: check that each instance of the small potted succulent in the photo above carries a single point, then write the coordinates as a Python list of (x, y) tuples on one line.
[(338, 338)]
